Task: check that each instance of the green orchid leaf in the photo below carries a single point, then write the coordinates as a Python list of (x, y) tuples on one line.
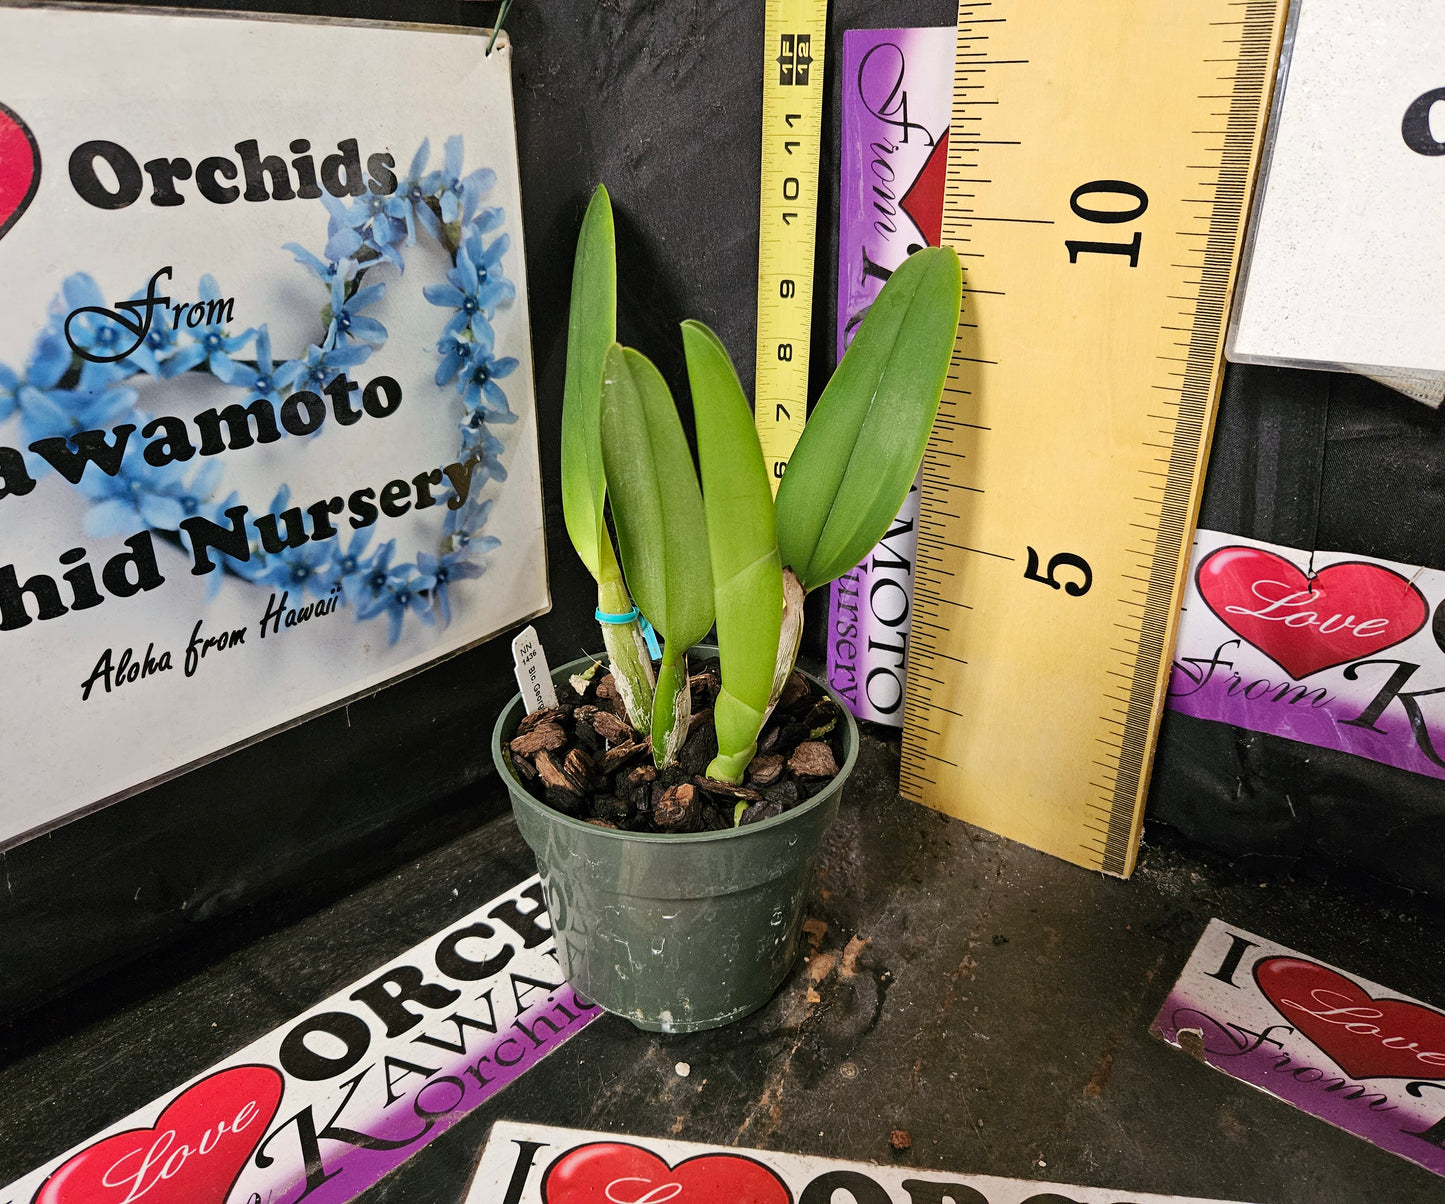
[(656, 502), (592, 328), (863, 444), (661, 529), (743, 547)]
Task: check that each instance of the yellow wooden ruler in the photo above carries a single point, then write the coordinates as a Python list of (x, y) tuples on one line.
[(796, 31), (1100, 162)]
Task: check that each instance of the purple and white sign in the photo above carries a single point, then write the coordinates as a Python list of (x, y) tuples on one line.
[(897, 89), (322, 1108), (1330, 649), (535, 1164), (1355, 1054)]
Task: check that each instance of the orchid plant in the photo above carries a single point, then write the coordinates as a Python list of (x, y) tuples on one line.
[(724, 550)]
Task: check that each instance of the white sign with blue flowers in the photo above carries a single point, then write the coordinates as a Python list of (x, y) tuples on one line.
[(267, 434)]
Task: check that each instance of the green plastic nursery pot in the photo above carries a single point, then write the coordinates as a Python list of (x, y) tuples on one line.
[(676, 933)]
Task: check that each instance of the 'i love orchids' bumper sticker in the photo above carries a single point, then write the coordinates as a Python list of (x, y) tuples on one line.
[(535, 1164), (329, 1103), (1358, 1055)]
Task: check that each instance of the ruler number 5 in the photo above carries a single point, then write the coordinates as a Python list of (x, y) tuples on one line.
[(1111, 217), (1076, 589)]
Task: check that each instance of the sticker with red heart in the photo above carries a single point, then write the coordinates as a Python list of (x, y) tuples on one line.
[(193, 1154), (1304, 624), (614, 1172), (1368, 1038), (19, 167)]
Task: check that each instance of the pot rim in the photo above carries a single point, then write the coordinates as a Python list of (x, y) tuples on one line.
[(521, 795)]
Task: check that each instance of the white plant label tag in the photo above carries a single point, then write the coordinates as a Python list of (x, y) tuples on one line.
[(534, 677)]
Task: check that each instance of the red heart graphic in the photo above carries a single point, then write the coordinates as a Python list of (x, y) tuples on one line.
[(1368, 1038), (19, 168), (1348, 611), (923, 201), (193, 1155), (612, 1172)]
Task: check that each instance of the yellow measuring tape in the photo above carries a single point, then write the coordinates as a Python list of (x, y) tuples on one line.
[(796, 31), (1100, 162)]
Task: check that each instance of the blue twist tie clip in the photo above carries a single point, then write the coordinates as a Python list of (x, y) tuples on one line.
[(654, 649)]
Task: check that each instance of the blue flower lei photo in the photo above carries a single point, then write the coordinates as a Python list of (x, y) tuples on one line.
[(60, 393)]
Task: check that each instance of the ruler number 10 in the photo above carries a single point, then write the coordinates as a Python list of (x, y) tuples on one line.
[(1119, 188)]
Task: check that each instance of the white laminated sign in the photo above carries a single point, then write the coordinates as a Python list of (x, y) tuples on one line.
[(1346, 258), (267, 435)]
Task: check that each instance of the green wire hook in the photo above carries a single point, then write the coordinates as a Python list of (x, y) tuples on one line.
[(501, 20)]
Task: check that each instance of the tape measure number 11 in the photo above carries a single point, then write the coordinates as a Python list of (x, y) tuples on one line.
[(794, 40)]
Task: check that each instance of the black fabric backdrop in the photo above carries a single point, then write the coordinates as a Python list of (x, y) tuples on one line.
[(661, 99)]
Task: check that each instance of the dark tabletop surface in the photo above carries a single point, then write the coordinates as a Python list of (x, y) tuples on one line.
[(998, 1011)]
